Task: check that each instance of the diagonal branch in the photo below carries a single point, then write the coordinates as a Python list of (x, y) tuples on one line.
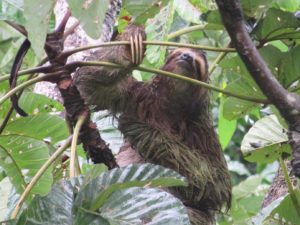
[(287, 103)]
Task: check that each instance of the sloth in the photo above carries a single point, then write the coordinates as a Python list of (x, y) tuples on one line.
[(166, 121)]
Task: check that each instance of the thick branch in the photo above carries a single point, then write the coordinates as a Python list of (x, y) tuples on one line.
[(93, 144), (287, 103)]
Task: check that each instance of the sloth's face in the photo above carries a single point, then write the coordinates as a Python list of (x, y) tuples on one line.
[(187, 62)]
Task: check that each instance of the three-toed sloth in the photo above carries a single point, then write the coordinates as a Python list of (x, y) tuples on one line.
[(167, 121)]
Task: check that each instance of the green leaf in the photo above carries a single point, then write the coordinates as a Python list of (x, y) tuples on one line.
[(265, 141), (287, 210), (34, 103), (94, 172), (272, 57), (247, 187), (187, 11), (91, 15), (226, 127), (213, 18), (275, 24), (55, 208), (21, 157), (43, 126), (129, 206), (288, 5), (290, 70), (234, 108), (37, 25), (265, 212), (141, 10), (282, 208), (250, 7), (158, 29), (144, 206), (98, 190), (12, 10)]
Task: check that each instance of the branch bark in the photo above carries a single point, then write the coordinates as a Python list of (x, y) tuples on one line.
[(93, 144), (287, 103)]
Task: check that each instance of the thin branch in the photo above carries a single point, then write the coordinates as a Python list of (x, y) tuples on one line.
[(216, 62), (162, 43), (176, 76), (290, 186), (185, 31), (39, 69), (71, 30), (17, 27), (61, 27), (79, 123), (38, 175), (26, 84)]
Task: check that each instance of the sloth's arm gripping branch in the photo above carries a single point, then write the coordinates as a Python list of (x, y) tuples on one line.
[(107, 88)]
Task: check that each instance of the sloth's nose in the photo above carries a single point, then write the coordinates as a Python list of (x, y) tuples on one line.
[(186, 57)]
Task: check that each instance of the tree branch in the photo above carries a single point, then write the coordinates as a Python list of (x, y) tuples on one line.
[(287, 103), (172, 75)]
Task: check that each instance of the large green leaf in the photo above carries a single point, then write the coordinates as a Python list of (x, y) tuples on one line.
[(288, 5), (265, 141), (282, 208), (263, 214), (287, 209), (247, 187), (98, 190), (34, 103), (158, 29), (91, 15), (21, 157), (187, 11), (234, 107), (123, 206), (37, 26), (226, 128), (12, 10), (290, 70), (55, 208), (252, 7), (50, 128), (275, 24), (144, 206), (142, 10)]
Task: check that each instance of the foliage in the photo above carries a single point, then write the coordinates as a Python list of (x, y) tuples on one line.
[(114, 195), (258, 130)]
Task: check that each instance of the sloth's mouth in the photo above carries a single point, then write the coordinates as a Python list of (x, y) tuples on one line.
[(186, 59), (187, 62)]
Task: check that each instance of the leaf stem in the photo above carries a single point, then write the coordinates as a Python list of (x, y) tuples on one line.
[(38, 175), (162, 43), (290, 186), (74, 156), (24, 85), (219, 58), (180, 77), (186, 30)]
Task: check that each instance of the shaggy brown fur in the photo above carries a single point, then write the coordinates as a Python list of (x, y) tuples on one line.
[(166, 120)]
